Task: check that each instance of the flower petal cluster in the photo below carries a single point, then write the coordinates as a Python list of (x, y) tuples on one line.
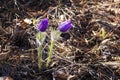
[(65, 26), (43, 25)]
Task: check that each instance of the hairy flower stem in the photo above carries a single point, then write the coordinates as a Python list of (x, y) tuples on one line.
[(50, 53), (40, 56), (40, 37)]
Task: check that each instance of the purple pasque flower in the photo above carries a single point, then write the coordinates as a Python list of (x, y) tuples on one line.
[(43, 25), (64, 26)]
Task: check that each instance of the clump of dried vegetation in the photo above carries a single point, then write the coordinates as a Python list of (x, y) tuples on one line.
[(89, 51)]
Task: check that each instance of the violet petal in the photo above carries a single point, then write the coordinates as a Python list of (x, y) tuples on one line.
[(43, 25), (65, 26)]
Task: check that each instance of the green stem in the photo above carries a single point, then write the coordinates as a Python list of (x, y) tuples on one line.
[(40, 56), (41, 37), (50, 53)]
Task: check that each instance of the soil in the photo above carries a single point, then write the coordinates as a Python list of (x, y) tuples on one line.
[(90, 50)]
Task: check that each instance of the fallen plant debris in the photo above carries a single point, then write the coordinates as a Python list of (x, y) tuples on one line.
[(90, 50)]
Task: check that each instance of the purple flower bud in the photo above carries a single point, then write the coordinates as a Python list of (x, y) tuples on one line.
[(43, 24), (64, 26)]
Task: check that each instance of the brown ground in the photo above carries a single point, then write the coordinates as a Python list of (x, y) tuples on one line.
[(89, 51)]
